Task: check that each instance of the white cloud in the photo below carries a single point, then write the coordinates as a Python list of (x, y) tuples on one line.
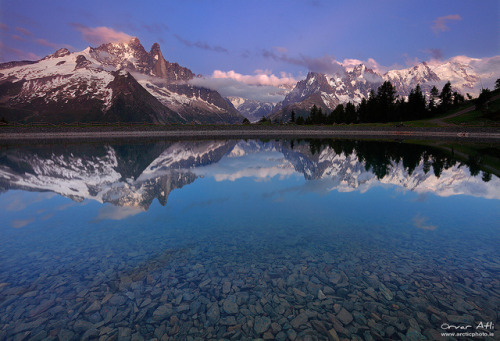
[(258, 173), (260, 166), (261, 77), (262, 86)]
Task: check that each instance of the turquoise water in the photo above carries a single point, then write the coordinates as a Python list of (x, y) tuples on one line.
[(248, 239)]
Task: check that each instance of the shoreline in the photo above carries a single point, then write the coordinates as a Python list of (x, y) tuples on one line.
[(10, 133)]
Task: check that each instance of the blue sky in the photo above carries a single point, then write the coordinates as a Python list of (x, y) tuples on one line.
[(281, 38)]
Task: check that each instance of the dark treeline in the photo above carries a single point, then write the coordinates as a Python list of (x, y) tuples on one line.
[(379, 155), (385, 106)]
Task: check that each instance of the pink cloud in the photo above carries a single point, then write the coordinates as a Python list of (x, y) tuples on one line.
[(281, 49), (409, 61), (45, 42), (4, 27), (261, 77), (436, 54), (109, 212), (421, 223), (18, 54), (440, 23), (325, 64), (201, 45), (101, 35), (24, 31), (371, 64), (21, 223), (16, 37)]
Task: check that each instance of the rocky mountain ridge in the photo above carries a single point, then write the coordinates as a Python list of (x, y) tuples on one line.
[(113, 82), (352, 84)]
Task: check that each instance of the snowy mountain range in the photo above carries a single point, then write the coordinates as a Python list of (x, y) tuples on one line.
[(352, 84), (133, 176), (252, 109), (128, 176), (123, 82), (113, 82)]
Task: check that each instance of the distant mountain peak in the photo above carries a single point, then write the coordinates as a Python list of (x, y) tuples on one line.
[(252, 109), (58, 54)]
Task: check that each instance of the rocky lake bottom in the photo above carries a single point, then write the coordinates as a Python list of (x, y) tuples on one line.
[(247, 259)]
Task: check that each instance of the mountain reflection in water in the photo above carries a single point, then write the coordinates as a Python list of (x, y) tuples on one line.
[(133, 175), (275, 239)]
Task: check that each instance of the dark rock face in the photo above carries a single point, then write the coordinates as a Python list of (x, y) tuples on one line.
[(170, 71), (19, 106), (132, 103), (81, 62), (132, 56)]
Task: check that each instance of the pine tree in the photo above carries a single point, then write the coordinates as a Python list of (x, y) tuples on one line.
[(446, 97), (350, 113), (313, 114), (293, 117), (363, 111), (458, 98), (320, 118), (416, 107), (386, 96), (482, 100), (337, 115), (432, 100)]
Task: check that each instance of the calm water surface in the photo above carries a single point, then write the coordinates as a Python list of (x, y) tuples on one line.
[(297, 240)]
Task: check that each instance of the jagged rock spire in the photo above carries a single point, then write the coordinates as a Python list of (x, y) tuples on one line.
[(159, 63)]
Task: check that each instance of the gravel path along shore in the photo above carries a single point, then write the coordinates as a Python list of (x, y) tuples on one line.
[(243, 131)]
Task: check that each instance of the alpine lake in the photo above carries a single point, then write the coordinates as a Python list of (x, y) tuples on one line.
[(249, 239)]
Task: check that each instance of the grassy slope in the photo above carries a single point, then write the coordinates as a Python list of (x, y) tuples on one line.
[(471, 118)]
